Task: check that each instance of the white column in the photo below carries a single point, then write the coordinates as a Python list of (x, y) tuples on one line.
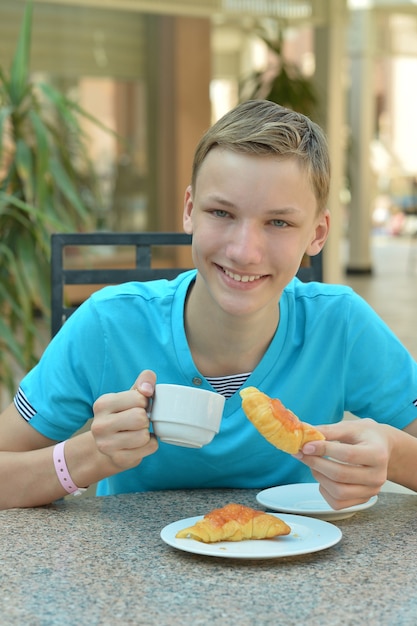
[(362, 119), (330, 50)]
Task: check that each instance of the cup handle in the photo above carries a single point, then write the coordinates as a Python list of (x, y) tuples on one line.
[(150, 405)]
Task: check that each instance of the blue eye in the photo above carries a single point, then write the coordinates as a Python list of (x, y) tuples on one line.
[(279, 223)]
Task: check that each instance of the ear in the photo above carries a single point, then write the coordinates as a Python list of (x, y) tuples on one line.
[(187, 222), (320, 234)]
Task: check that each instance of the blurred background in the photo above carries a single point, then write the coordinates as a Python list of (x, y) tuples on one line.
[(159, 72)]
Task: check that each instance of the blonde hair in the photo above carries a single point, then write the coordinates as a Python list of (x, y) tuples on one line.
[(261, 127)]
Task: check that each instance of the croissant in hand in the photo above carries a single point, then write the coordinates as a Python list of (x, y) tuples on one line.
[(277, 424), (235, 522)]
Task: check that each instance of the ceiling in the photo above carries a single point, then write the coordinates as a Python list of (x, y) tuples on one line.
[(293, 11)]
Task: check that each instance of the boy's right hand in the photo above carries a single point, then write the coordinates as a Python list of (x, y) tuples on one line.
[(121, 424)]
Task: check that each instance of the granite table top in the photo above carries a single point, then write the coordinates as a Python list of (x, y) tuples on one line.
[(101, 561)]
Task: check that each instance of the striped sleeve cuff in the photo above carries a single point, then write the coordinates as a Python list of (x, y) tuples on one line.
[(24, 407)]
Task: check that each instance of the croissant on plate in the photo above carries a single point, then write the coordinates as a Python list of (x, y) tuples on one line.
[(277, 424), (235, 522)]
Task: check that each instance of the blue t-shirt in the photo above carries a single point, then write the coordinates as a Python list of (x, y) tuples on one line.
[(330, 354)]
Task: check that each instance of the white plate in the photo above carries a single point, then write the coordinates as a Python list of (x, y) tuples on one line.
[(307, 535), (306, 499)]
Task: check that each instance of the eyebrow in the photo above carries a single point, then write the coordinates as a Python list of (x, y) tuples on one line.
[(284, 211), (219, 200), (272, 212)]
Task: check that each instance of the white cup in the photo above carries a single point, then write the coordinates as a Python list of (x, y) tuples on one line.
[(186, 416)]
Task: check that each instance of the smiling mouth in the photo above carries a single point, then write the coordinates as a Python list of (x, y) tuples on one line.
[(242, 278)]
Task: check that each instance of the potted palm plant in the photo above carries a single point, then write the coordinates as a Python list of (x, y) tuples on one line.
[(281, 81), (47, 184)]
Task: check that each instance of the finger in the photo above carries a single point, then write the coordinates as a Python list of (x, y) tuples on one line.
[(356, 483), (128, 457), (332, 432), (363, 487), (119, 402), (337, 475), (128, 429), (313, 448), (145, 383), (342, 473), (344, 496), (363, 453), (340, 452), (348, 431), (128, 440), (107, 426)]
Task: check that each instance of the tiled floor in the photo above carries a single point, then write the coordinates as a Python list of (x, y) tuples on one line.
[(392, 288), (392, 291)]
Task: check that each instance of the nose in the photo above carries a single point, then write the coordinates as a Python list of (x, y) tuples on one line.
[(245, 246)]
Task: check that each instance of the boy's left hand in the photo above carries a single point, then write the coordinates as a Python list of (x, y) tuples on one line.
[(352, 464)]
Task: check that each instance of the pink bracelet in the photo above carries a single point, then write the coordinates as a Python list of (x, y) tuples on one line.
[(62, 472)]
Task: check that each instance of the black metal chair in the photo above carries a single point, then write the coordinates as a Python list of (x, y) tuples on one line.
[(145, 245)]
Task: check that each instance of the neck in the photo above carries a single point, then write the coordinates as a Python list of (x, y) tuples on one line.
[(222, 344)]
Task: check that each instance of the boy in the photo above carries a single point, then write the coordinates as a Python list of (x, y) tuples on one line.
[(255, 206)]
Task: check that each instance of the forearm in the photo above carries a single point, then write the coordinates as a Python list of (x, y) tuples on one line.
[(29, 479), (402, 467)]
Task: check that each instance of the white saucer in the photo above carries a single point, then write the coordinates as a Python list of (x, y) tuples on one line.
[(307, 535), (306, 499)]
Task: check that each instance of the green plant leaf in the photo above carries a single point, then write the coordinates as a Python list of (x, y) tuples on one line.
[(97, 122), (4, 87), (25, 254), (5, 113), (7, 338), (18, 286), (24, 166), (50, 220), (13, 309), (67, 188), (42, 157), (65, 110), (19, 71), (16, 216)]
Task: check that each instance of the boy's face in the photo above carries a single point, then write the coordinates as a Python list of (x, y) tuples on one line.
[(252, 219)]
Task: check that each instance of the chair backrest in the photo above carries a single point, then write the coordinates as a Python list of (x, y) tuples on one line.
[(91, 271)]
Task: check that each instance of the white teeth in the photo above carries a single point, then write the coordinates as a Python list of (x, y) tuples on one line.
[(240, 278)]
